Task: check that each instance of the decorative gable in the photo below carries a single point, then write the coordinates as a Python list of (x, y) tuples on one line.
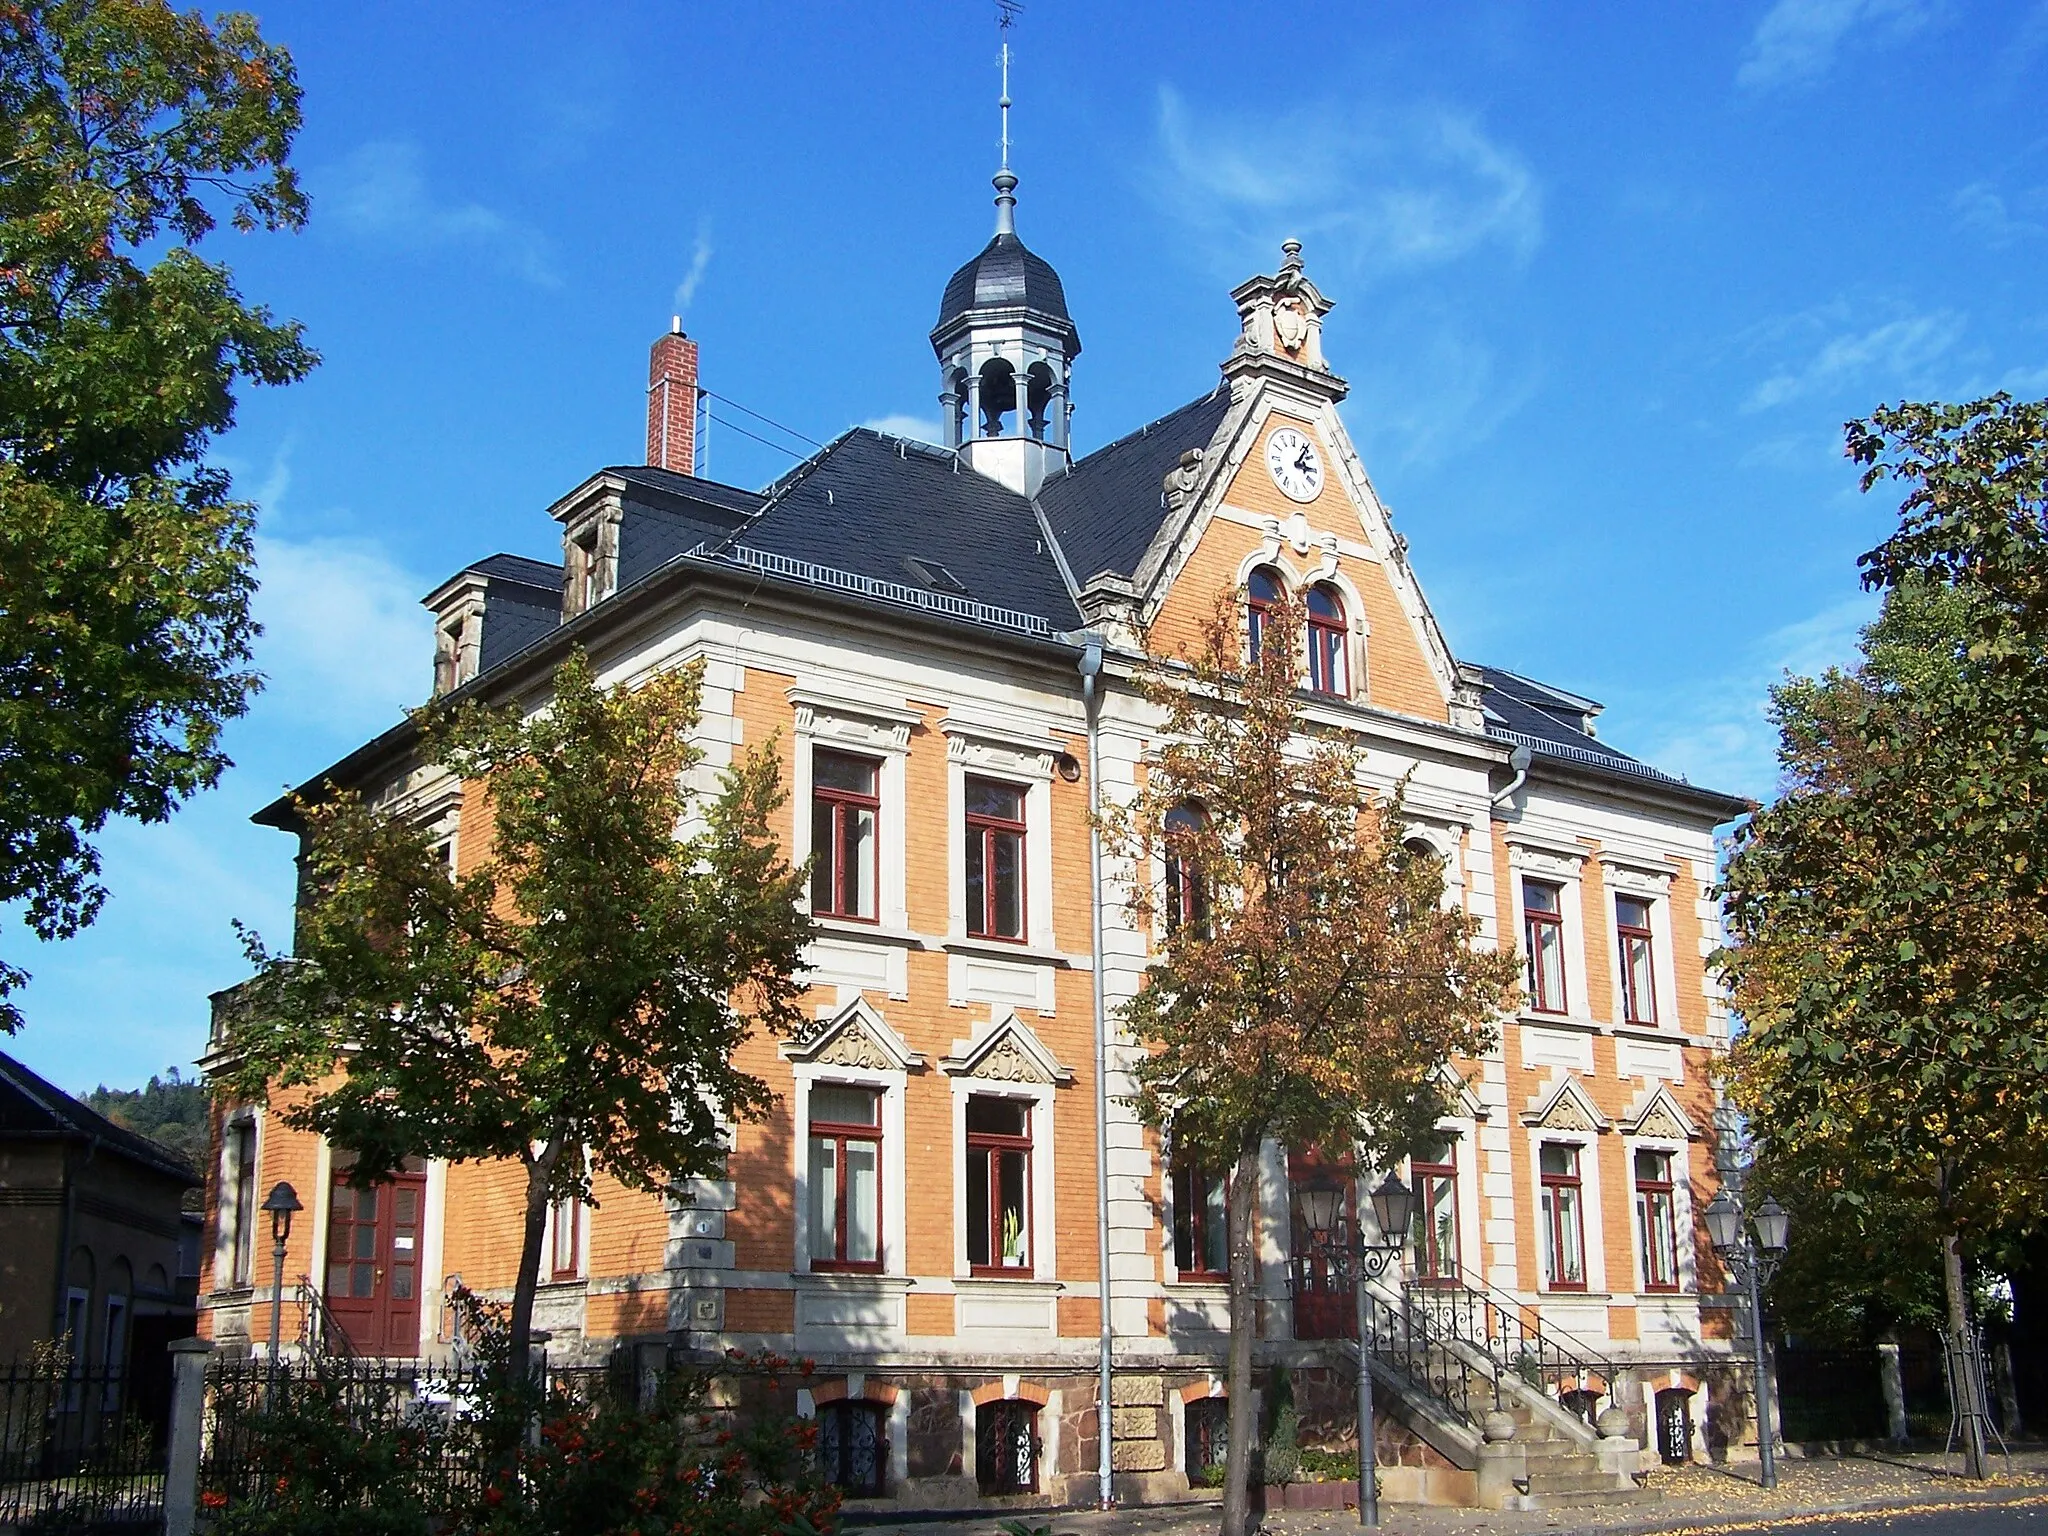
[(1006, 1051), (1661, 1116), (1566, 1108), (856, 1036)]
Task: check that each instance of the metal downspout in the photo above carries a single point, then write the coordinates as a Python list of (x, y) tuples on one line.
[(1091, 700)]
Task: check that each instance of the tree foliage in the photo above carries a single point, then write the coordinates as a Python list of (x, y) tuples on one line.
[(1887, 915), (574, 1002), (126, 127), (1314, 986), (170, 1111)]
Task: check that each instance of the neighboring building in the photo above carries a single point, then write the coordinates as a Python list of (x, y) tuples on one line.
[(921, 1214), (98, 1246)]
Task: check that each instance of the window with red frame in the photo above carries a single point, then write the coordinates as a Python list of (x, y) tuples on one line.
[(1187, 898), (1638, 974), (1329, 642), (845, 807), (846, 1177), (1543, 939), (1564, 1230), (1434, 1173), (242, 1169), (1262, 592), (999, 1185), (1201, 1220), (1657, 1220), (995, 860)]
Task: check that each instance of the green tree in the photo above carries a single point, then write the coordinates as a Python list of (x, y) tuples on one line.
[(1311, 984), (1888, 922), (574, 1003), (126, 129), (170, 1111)]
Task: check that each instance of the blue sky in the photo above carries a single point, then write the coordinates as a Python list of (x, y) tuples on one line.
[(1609, 280)]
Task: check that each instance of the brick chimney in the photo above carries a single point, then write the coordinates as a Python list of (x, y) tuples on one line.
[(672, 402)]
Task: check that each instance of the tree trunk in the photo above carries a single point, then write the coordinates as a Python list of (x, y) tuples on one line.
[(539, 1174), (1964, 1380), (1244, 1331)]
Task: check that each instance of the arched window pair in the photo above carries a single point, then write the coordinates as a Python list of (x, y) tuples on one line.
[(1329, 649)]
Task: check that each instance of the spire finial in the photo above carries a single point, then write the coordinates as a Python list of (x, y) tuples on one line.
[(1005, 182)]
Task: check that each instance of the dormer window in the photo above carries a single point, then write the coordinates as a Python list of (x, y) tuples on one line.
[(590, 551), (1329, 642)]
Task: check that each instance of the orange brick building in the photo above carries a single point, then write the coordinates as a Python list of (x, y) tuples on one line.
[(952, 1189)]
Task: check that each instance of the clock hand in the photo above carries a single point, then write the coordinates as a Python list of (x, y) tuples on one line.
[(1301, 461)]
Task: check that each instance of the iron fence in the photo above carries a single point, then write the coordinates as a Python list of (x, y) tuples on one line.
[(82, 1449), (345, 1399)]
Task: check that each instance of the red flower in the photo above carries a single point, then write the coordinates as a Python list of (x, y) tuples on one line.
[(213, 1498)]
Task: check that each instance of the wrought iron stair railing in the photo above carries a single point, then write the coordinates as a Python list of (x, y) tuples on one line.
[(1411, 1341), (1514, 1336), (322, 1333)]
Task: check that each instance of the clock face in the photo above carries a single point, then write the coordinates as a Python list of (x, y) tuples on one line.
[(1292, 461)]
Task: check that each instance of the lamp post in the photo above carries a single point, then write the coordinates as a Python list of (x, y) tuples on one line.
[(1752, 1244), (1322, 1210), (283, 1204)]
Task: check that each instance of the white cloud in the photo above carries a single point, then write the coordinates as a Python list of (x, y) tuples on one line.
[(1984, 209), (1898, 352), (1369, 192), (700, 258), (918, 429), (1718, 732), (1797, 40), (346, 646), (380, 193)]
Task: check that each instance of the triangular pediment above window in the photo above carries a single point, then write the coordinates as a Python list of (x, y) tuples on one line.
[(1464, 1103), (856, 1036), (1566, 1107), (1006, 1051), (1661, 1115)]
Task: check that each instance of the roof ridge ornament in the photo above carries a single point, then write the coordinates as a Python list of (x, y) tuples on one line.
[(1281, 322)]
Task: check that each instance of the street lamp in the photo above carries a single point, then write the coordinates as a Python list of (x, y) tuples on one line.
[(283, 1204), (1752, 1244), (1393, 1208)]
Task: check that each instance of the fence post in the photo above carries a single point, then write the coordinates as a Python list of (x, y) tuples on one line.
[(188, 1427), (1892, 1381)]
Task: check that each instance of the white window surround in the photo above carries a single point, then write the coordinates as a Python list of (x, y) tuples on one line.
[(1561, 1115), (226, 1235), (1623, 876), (1005, 1060), (1681, 1211), (1466, 1157), (1561, 865), (1013, 757), (1588, 1143), (854, 1047), (865, 730)]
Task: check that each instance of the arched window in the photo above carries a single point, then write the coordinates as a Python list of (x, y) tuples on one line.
[(1006, 1447), (1328, 642), (1187, 897), (1263, 591), (998, 397)]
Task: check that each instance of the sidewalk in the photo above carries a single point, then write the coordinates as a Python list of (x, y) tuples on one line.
[(1696, 1499)]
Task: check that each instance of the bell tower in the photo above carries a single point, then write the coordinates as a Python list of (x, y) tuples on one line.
[(1006, 348)]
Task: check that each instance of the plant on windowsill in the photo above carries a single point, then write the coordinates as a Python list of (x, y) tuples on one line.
[(1013, 1240)]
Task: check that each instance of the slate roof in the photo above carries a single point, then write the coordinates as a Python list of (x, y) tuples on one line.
[(1105, 509), (714, 493), (532, 573), (869, 502), (32, 1107), (1522, 710), (1006, 275)]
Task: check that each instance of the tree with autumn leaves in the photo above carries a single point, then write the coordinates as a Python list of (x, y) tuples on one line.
[(1311, 984), (1888, 915), (573, 1003)]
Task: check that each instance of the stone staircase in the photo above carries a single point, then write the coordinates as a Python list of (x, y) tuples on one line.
[(1476, 1375)]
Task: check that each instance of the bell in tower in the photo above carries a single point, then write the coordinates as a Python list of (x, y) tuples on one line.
[(1006, 347)]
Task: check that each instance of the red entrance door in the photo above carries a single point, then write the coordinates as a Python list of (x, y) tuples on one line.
[(1325, 1306), (373, 1252)]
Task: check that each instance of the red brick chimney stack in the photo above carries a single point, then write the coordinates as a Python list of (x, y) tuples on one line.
[(672, 402)]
